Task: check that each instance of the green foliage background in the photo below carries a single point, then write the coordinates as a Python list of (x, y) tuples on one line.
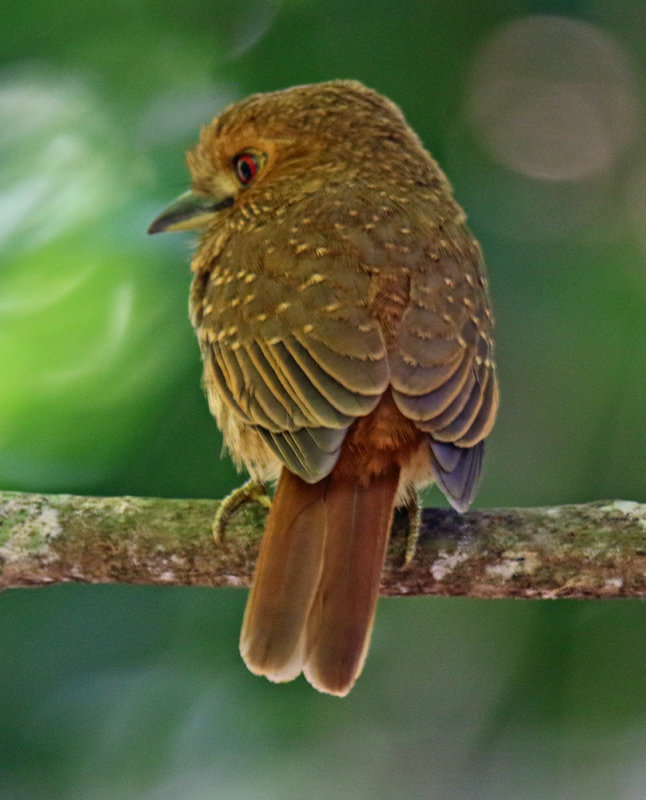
[(138, 693)]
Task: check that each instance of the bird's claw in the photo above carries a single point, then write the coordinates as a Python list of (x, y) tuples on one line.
[(414, 528), (251, 491)]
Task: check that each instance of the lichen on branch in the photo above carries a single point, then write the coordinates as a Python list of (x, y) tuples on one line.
[(588, 550)]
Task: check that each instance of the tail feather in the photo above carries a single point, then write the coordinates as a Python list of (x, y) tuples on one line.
[(342, 614), (285, 579), (313, 598)]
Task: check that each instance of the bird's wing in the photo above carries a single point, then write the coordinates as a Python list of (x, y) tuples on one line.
[(292, 351), (442, 365)]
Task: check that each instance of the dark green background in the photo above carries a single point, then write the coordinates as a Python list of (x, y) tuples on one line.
[(138, 693)]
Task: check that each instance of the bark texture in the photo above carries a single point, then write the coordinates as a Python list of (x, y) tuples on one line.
[(589, 550)]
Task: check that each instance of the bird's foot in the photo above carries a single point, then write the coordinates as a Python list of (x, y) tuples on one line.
[(414, 528), (251, 491)]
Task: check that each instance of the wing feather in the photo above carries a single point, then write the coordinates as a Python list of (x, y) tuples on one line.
[(214, 372), (296, 350), (353, 404), (303, 452), (366, 375), (443, 370), (470, 399), (486, 416), (422, 408), (457, 471)]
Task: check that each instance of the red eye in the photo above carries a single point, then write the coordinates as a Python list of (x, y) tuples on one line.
[(246, 166)]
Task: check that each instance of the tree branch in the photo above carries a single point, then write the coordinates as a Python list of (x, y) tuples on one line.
[(589, 550)]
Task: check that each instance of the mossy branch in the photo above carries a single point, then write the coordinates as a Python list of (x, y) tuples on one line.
[(588, 550)]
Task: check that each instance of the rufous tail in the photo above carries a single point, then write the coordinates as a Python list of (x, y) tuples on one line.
[(314, 592)]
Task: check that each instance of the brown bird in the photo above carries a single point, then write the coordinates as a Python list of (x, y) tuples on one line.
[(341, 308)]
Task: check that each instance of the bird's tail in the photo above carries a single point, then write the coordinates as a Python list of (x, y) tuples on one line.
[(314, 593)]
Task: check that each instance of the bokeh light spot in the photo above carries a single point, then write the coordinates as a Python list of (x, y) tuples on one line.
[(87, 340), (553, 98)]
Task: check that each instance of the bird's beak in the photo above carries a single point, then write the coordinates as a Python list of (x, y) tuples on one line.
[(191, 211)]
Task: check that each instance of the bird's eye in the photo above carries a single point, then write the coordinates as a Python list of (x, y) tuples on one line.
[(246, 166)]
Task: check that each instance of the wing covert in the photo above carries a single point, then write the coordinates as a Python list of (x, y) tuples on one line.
[(297, 355), (444, 376)]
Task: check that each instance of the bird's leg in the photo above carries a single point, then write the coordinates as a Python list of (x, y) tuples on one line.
[(252, 490), (414, 527)]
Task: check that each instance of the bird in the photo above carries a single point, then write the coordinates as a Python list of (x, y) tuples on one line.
[(342, 311)]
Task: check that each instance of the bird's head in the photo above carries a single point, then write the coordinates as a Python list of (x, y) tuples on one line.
[(283, 145)]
